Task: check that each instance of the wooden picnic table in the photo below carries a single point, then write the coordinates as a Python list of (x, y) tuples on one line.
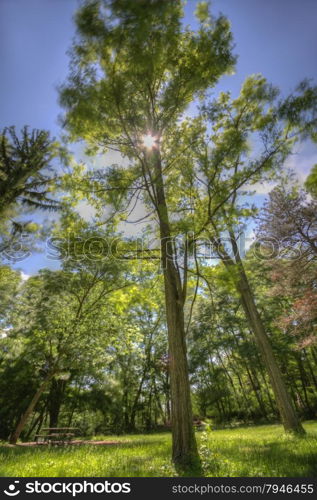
[(56, 435)]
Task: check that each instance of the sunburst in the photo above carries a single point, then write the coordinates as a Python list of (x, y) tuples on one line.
[(149, 141)]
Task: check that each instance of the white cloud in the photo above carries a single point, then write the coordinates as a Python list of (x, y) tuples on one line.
[(301, 165), (24, 276)]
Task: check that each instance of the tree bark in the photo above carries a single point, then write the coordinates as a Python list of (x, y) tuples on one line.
[(184, 447), (24, 418)]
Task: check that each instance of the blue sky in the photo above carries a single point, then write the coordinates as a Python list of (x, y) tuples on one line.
[(277, 38)]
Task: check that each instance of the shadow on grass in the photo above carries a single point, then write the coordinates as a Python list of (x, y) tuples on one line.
[(290, 462), (283, 458)]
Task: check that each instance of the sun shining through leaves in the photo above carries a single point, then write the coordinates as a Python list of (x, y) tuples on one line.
[(149, 141)]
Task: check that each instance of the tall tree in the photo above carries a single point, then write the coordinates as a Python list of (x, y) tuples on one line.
[(135, 69)]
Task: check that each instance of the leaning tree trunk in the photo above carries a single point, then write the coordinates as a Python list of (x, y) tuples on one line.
[(288, 415), (284, 403), (24, 418), (37, 423), (184, 454)]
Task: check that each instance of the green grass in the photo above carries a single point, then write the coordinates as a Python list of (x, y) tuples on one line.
[(245, 451)]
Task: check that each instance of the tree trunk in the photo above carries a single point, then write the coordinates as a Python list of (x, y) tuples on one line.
[(267, 387), (286, 409), (228, 376), (24, 418), (184, 442), (184, 448), (125, 405), (38, 422), (288, 415), (255, 384), (146, 369), (303, 378), (135, 404), (55, 399), (311, 371), (158, 403), (70, 418), (167, 399)]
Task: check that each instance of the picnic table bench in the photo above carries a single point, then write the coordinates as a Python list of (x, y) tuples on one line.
[(56, 435)]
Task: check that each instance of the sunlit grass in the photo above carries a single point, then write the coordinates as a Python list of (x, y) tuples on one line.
[(244, 451)]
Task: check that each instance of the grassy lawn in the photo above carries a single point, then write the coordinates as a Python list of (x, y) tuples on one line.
[(246, 451)]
